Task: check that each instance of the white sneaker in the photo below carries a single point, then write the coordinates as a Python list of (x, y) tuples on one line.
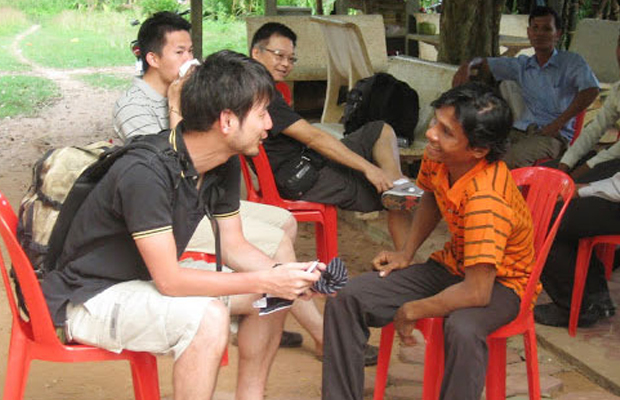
[(404, 196)]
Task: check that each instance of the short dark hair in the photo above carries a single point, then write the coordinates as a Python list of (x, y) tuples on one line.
[(226, 80), (484, 115), (265, 32), (543, 11), (152, 33)]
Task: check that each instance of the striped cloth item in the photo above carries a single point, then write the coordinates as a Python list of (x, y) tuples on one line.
[(333, 278)]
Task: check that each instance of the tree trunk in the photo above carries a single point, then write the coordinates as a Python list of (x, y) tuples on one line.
[(469, 28), (196, 20), (319, 7), (569, 21)]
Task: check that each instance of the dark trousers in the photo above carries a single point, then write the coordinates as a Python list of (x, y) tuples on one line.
[(371, 301), (585, 217)]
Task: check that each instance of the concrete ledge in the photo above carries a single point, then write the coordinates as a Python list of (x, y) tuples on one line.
[(429, 79)]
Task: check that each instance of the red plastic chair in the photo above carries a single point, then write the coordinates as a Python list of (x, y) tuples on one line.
[(542, 188), (285, 91), (35, 339), (434, 348), (324, 216), (606, 247), (210, 258)]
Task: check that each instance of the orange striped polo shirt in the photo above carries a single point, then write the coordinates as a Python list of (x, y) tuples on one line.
[(488, 219)]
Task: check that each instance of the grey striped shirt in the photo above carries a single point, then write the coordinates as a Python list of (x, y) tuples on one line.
[(140, 111)]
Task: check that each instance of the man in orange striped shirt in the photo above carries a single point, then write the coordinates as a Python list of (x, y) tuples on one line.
[(475, 281)]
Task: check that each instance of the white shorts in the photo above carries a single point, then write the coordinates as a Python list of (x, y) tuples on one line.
[(135, 316), (261, 223)]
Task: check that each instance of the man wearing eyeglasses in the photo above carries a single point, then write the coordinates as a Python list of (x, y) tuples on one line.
[(352, 173)]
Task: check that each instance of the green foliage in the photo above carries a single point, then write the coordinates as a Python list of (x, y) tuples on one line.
[(12, 21), (75, 39), (150, 7), (106, 81), (219, 35), (39, 8), (25, 95)]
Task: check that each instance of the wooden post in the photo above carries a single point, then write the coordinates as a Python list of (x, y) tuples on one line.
[(342, 7), (271, 7), (196, 21), (319, 7)]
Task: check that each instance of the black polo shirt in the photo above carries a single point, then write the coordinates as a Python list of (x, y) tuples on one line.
[(281, 147), (143, 194)]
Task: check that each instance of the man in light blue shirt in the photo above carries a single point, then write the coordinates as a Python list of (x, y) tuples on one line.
[(556, 85)]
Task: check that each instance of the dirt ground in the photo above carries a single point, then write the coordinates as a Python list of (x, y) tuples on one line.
[(84, 115)]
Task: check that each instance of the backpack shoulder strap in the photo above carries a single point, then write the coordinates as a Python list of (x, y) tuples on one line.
[(82, 187)]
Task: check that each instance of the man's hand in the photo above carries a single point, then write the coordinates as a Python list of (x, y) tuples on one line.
[(564, 168), (461, 76), (289, 281), (580, 171), (174, 91), (577, 187), (405, 325), (387, 261), (550, 130), (378, 178)]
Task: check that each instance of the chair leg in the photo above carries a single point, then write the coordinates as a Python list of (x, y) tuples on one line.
[(496, 369), (331, 231), (531, 361), (145, 378), (18, 366), (584, 253), (434, 357), (606, 254), (320, 235), (383, 362)]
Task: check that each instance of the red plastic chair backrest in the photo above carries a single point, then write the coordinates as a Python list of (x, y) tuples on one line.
[(268, 189), (579, 120), (40, 326), (285, 91), (543, 188), (255, 194)]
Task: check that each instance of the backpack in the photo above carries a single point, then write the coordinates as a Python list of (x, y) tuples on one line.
[(382, 97), (61, 181)]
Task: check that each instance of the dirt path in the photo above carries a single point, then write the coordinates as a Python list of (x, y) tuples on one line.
[(83, 114)]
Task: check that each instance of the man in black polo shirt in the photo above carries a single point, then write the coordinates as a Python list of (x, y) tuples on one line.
[(119, 284), (353, 173)]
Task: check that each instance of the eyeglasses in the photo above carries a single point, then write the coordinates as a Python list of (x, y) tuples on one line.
[(280, 56)]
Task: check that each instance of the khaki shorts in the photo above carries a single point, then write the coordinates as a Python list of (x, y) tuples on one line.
[(135, 316), (261, 223)]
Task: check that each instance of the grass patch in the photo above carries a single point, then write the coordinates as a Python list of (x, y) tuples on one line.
[(75, 39), (7, 61), (106, 81), (25, 95), (12, 22), (218, 35)]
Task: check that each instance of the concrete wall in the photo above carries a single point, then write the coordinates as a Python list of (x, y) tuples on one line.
[(596, 40)]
